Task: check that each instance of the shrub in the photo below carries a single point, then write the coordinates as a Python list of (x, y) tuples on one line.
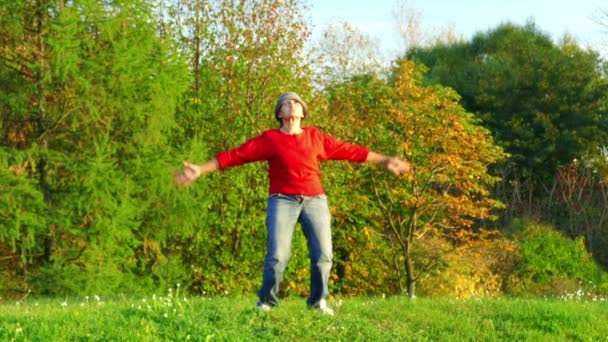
[(550, 263), (476, 270)]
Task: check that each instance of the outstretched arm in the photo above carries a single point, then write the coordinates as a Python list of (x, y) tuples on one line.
[(192, 171), (395, 165)]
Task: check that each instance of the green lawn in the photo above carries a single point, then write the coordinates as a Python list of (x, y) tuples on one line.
[(175, 318)]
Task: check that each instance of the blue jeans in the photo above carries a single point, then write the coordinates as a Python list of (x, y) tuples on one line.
[(282, 215)]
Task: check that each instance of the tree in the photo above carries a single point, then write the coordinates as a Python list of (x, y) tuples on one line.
[(243, 55), (602, 20), (543, 102), (447, 191), (92, 91), (407, 21), (344, 52)]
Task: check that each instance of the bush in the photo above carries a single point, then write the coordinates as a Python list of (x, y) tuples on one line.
[(476, 270), (550, 263)]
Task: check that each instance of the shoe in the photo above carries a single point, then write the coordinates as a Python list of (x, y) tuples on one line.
[(324, 309), (262, 307)]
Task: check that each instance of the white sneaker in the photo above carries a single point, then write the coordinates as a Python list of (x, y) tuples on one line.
[(324, 309), (262, 307)]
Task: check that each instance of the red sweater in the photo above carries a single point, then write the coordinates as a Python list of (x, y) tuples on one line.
[(293, 160)]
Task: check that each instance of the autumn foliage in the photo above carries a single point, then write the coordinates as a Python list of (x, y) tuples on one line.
[(447, 190), (102, 102)]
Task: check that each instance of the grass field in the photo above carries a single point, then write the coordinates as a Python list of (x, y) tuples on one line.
[(230, 318)]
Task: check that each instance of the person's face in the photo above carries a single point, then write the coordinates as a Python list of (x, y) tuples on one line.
[(291, 109)]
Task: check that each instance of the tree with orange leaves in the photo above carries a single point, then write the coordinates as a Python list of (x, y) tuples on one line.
[(447, 191)]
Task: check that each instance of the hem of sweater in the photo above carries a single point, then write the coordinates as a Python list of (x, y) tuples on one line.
[(270, 193), (297, 191)]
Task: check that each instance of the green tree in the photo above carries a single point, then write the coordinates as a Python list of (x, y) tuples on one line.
[(243, 55), (93, 91), (543, 102)]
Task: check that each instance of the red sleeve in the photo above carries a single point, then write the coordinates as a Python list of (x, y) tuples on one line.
[(252, 150), (339, 150)]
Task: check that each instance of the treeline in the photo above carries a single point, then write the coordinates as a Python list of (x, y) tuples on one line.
[(546, 104), (101, 101)]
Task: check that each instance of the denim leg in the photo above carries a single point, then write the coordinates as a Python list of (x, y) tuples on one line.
[(281, 217), (316, 223)]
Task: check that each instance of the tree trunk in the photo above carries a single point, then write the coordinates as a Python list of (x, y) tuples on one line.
[(408, 262), (409, 267), (41, 115), (409, 272)]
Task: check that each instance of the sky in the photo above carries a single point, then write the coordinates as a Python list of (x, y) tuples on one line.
[(467, 17)]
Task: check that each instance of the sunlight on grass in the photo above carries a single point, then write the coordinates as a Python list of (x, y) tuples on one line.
[(177, 317)]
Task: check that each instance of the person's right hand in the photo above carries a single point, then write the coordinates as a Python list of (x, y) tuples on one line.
[(188, 175)]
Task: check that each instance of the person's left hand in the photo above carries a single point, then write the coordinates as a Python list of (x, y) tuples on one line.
[(398, 166)]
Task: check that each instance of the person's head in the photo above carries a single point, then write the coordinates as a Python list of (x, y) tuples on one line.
[(290, 104)]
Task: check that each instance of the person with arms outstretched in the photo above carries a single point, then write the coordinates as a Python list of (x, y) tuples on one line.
[(296, 194)]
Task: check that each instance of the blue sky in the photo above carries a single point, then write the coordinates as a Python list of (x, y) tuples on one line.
[(555, 17)]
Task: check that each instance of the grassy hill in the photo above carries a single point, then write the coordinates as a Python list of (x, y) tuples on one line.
[(177, 318)]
